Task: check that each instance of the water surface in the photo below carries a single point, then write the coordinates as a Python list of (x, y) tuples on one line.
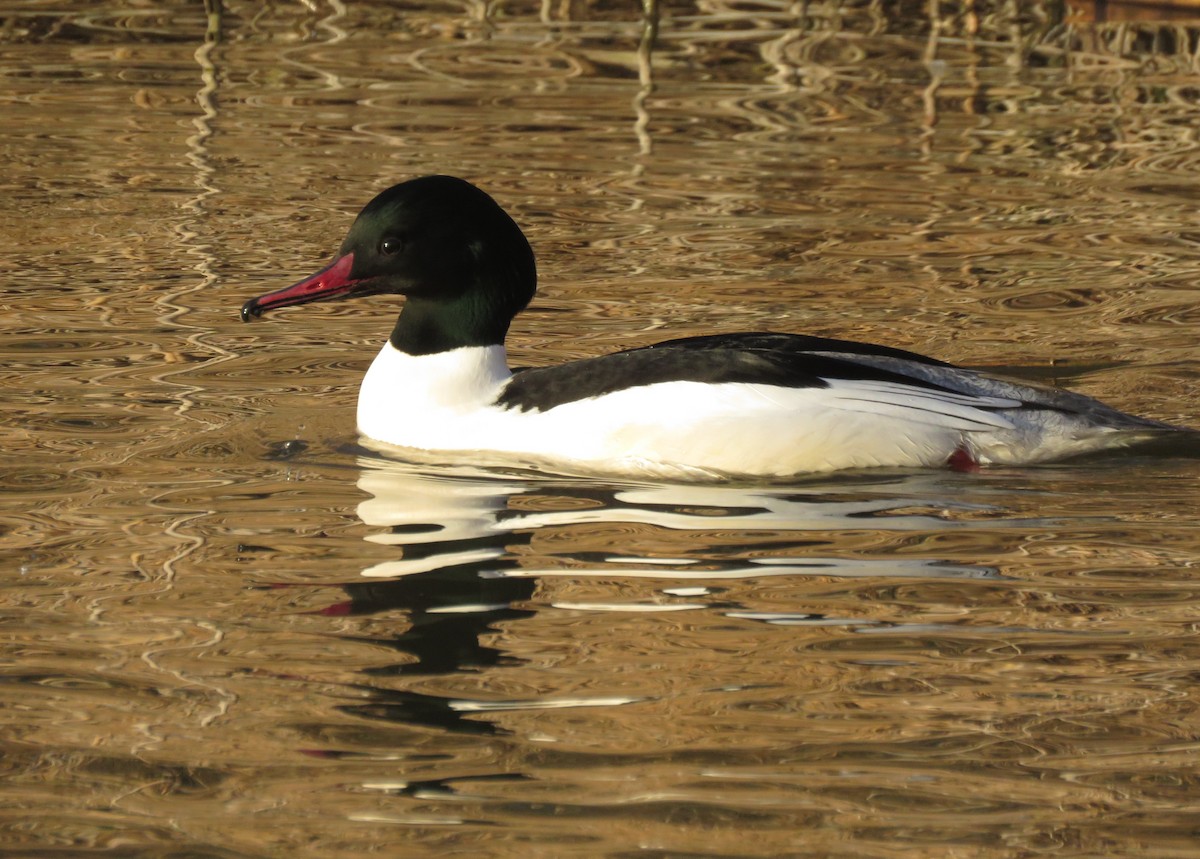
[(233, 630)]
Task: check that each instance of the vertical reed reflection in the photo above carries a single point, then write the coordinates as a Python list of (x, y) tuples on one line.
[(191, 232), (645, 63)]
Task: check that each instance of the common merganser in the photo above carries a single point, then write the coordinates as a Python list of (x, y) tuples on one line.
[(729, 405)]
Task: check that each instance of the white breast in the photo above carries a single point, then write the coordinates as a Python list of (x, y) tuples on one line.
[(432, 402)]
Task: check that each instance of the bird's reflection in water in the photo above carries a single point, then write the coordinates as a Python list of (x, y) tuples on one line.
[(465, 560)]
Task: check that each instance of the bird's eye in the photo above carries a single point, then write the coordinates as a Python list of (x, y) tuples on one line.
[(391, 245)]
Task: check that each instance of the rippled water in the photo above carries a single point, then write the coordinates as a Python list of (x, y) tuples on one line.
[(231, 630)]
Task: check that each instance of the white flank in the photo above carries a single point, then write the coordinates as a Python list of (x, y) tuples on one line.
[(444, 402)]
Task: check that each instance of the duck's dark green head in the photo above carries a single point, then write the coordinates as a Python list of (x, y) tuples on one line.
[(463, 263)]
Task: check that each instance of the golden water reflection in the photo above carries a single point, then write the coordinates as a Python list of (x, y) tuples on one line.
[(231, 630)]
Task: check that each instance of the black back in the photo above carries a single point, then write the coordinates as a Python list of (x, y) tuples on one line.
[(785, 360)]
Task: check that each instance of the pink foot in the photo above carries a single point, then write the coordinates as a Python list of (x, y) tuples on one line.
[(962, 460)]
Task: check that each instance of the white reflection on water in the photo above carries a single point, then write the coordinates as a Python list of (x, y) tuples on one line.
[(461, 510)]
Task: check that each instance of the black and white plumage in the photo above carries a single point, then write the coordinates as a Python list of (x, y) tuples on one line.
[(754, 404)]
